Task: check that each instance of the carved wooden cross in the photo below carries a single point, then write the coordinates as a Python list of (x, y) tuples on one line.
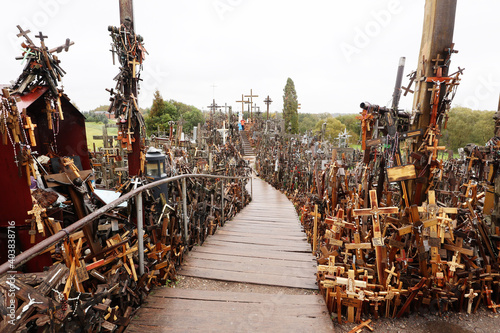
[(390, 273), (471, 295), (351, 283), (331, 268), (37, 212), (453, 264), (377, 239)]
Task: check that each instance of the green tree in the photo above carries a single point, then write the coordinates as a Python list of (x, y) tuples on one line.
[(332, 130), (161, 112), (467, 126), (290, 106), (352, 124)]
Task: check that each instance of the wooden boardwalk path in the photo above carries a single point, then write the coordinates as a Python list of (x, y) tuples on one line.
[(263, 245)]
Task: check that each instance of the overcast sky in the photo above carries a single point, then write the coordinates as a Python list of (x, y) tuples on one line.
[(338, 53)]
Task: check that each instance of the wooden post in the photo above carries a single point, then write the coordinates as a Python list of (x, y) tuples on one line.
[(315, 232), (437, 35)]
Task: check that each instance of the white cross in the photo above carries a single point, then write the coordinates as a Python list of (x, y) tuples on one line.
[(223, 131)]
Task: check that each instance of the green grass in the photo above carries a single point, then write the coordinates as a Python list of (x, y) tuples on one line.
[(96, 129)]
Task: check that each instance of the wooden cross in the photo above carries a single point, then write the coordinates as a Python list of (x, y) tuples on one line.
[(437, 61), (471, 295), (24, 33), (434, 149), (251, 101), (377, 239), (351, 283), (134, 63), (37, 212), (30, 127), (41, 36), (404, 259), (390, 273), (243, 102), (331, 268), (453, 264), (365, 125), (437, 80), (374, 302), (268, 101), (490, 303), (360, 327)]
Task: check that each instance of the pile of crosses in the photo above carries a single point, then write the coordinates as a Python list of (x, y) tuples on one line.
[(92, 280), (379, 253)]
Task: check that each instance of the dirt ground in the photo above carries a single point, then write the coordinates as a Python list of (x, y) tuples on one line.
[(484, 321)]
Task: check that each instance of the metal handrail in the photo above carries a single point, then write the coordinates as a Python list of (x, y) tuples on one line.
[(48, 242)]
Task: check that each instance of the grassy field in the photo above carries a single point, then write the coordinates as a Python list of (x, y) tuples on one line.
[(96, 129)]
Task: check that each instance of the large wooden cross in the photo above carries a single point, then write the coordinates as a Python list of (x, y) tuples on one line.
[(251, 101), (243, 102), (268, 101), (377, 239)]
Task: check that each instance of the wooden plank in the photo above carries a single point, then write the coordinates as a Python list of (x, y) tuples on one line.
[(248, 254), (257, 278), (400, 173), (249, 268), (276, 246), (237, 296), (251, 260)]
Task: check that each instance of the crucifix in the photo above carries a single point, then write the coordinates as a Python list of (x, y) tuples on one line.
[(453, 264), (390, 273), (471, 295), (37, 212), (331, 269), (377, 239), (436, 90), (251, 101), (351, 283), (268, 101)]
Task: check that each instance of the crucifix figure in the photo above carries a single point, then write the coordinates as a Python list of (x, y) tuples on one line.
[(471, 295), (37, 212), (377, 239)]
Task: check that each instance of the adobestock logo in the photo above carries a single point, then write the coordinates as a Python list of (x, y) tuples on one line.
[(486, 88), (372, 28), (47, 10), (222, 7)]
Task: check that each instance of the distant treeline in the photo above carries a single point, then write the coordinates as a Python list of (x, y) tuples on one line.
[(464, 126)]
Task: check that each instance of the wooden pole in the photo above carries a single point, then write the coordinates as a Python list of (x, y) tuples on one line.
[(437, 36), (315, 232)]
